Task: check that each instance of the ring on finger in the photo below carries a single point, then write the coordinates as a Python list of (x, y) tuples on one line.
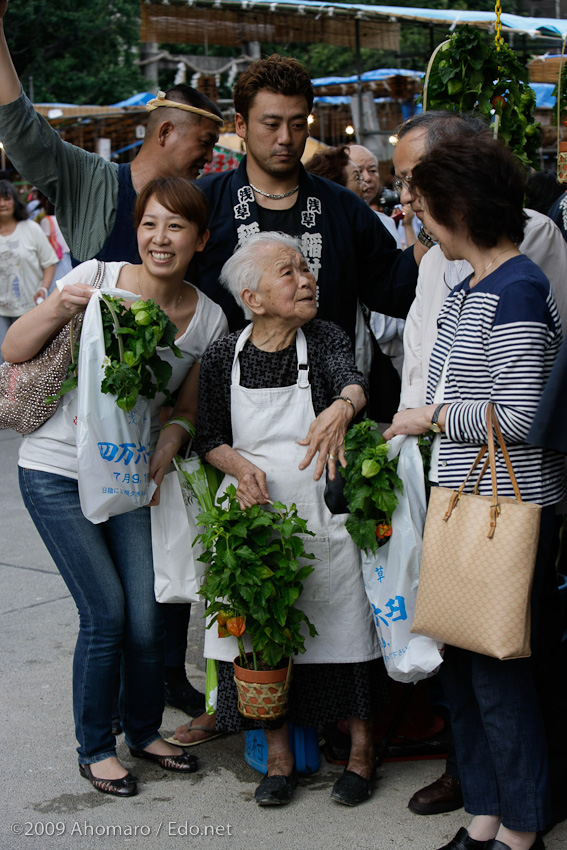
[(332, 457)]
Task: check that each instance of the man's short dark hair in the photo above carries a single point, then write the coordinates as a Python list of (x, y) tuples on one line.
[(441, 125), (278, 74), (476, 180)]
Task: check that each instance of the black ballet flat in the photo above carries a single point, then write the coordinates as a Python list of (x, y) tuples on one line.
[(125, 787), (350, 789), (182, 763), (276, 790)]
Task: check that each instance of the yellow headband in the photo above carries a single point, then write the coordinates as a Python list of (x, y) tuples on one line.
[(160, 100)]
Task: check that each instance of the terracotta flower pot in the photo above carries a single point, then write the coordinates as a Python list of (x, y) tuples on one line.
[(262, 694)]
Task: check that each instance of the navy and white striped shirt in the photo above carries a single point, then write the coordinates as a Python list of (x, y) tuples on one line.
[(501, 338)]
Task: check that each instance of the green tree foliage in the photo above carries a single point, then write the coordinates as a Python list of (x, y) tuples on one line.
[(76, 52)]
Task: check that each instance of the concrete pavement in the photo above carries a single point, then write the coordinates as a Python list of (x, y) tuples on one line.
[(45, 804)]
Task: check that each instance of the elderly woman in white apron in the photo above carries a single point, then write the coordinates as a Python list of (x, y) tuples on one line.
[(277, 399)]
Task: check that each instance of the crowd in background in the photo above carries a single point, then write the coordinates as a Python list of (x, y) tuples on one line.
[(308, 307)]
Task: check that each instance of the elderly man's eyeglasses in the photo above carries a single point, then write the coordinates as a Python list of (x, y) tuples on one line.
[(403, 183)]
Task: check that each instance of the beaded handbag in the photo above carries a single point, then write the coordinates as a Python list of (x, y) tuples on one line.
[(24, 387)]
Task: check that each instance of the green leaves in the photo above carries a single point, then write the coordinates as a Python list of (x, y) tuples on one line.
[(253, 568), (134, 367), (131, 337), (370, 483), (471, 75)]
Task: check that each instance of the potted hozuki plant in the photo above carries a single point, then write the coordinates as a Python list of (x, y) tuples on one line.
[(256, 563)]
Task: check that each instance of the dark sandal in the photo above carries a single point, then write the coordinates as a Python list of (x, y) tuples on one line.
[(182, 763), (276, 790), (350, 789), (125, 787)]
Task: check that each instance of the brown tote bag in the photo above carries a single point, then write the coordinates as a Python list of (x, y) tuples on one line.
[(478, 563)]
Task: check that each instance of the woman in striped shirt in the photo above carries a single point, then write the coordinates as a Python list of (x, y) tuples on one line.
[(498, 335)]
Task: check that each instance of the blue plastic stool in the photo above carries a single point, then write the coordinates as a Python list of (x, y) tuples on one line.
[(304, 743)]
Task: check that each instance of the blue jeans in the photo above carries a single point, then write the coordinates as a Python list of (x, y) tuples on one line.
[(109, 572), (498, 727)]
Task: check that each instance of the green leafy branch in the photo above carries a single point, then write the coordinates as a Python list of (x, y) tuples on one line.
[(370, 484), (133, 366), (471, 75), (253, 569)]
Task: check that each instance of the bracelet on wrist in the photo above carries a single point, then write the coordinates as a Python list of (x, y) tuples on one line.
[(347, 400), (435, 427), (180, 420)]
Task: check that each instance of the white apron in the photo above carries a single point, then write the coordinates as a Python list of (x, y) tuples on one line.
[(266, 423)]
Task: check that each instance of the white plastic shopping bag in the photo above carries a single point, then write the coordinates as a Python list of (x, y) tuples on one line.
[(177, 572), (391, 574), (113, 446)]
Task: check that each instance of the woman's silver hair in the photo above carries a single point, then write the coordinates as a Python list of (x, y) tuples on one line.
[(243, 270)]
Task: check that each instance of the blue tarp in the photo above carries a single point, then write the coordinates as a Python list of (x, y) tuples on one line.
[(136, 99), (543, 93), (367, 76)]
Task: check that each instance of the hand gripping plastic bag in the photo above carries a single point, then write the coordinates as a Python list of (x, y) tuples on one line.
[(391, 574), (177, 571), (113, 446)]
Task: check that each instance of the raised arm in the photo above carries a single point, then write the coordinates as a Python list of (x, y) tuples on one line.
[(9, 82), (82, 185)]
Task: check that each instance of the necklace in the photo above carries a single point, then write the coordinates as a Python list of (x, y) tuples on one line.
[(491, 263), (165, 309), (275, 197)]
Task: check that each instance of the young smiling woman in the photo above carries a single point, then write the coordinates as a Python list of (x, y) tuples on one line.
[(167, 241), (108, 567)]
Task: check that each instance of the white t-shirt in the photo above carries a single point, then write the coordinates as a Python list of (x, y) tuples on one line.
[(24, 255), (52, 448)]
